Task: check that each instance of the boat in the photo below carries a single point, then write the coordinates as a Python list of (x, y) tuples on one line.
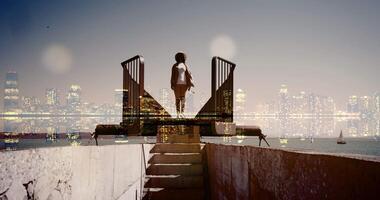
[(340, 138), (283, 140), (310, 138)]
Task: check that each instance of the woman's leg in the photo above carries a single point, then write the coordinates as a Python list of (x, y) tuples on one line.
[(183, 104), (178, 105), (180, 93), (183, 99), (177, 100)]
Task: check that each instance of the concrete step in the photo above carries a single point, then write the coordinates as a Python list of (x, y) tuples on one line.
[(176, 148), (174, 182), (179, 138), (178, 134), (175, 169), (176, 158), (174, 194)]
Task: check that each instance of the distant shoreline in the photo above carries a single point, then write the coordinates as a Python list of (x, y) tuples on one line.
[(291, 116)]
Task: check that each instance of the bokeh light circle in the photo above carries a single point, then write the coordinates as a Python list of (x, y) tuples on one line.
[(57, 58), (223, 46)]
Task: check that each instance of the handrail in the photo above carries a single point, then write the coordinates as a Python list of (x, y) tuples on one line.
[(129, 60), (143, 175), (224, 60), (143, 151)]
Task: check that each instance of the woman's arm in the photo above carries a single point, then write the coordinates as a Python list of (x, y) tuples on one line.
[(172, 80), (189, 78)]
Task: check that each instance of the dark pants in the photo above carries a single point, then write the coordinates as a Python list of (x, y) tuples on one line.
[(180, 93)]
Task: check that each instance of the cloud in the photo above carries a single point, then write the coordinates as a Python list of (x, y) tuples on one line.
[(223, 46), (57, 58)]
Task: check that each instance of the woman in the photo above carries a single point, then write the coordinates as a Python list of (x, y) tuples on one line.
[(181, 81)]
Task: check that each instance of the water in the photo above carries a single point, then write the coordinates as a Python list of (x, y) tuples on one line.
[(312, 134), (361, 146)]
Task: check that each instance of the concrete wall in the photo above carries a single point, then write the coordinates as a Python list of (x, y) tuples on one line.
[(84, 172), (240, 172)]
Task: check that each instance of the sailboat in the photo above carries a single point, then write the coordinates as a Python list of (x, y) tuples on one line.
[(340, 139)]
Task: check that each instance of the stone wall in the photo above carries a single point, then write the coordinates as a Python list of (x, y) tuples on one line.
[(241, 172), (83, 172)]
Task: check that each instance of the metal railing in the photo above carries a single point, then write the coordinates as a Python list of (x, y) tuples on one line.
[(220, 105), (143, 174), (133, 90)]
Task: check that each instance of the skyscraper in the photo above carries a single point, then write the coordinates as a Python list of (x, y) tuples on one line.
[(166, 101), (353, 104), (118, 97), (164, 96), (365, 104), (11, 92), (30, 104), (283, 100), (51, 95), (376, 99), (74, 98), (299, 103), (240, 100), (329, 105)]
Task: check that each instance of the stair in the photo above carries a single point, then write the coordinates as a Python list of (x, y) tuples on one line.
[(168, 159), (177, 182), (175, 194), (175, 172), (176, 148)]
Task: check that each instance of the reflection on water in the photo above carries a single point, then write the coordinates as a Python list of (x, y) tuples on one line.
[(54, 124), (63, 131), (362, 146), (273, 127), (49, 131), (308, 128)]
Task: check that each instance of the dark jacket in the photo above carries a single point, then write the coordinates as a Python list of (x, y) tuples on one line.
[(174, 79)]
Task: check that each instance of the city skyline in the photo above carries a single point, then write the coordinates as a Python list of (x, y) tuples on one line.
[(329, 48), (301, 114), (286, 103)]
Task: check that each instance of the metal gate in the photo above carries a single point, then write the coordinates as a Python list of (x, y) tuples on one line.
[(133, 91), (220, 106)]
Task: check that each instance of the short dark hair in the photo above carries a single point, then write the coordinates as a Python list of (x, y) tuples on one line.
[(180, 57)]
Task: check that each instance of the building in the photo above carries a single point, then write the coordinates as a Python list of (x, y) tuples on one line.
[(269, 107), (31, 104), (166, 100), (376, 101), (353, 104), (329, 105), (51, 96), (240, 101), (164, 97), (323, 105), (74, 99), (365, 105), (11, 93), (283, 103), (299, 103), (118, 95)]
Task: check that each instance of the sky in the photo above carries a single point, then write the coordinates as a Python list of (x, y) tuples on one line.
[(330, 47)]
